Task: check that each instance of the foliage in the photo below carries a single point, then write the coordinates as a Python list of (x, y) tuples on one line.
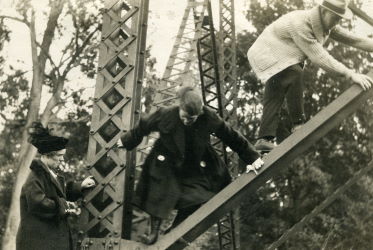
[(278, 205), (73, 47)]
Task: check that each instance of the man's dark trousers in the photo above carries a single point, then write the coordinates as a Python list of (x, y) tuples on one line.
[(285, 84)]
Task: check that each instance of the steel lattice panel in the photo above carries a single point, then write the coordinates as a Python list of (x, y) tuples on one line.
[(116, 103), (229, 226), (218, 96)]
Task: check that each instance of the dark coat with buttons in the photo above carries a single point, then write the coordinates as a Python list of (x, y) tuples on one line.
[(159, 187), (43, 202)]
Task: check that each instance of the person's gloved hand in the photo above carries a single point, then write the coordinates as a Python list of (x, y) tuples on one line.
[(72, 208), (88, 182), (255, 166)]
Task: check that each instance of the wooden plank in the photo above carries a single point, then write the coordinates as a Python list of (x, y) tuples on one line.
[(276, 161)]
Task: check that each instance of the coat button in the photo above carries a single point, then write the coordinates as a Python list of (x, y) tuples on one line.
[(161, 158), (202, 164)]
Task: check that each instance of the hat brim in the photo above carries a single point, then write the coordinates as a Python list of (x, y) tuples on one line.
[(347, 15)]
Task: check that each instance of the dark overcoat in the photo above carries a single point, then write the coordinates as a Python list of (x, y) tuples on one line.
[(159, 190), (43, 223)]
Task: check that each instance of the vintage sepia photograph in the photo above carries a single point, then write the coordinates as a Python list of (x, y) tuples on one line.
[(186, 124)]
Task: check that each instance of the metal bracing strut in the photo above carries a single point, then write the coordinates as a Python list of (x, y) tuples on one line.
[(107, 215), (329, 200)]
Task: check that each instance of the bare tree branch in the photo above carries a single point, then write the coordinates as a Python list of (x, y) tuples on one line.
[(79, 51), (15, 19), (46, 53), (3, 116), (64, 52)]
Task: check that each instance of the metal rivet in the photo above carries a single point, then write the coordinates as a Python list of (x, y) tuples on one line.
[(91, 132), (99, 217), (119, 202), (99, 68), (122, 165), (116, 242)]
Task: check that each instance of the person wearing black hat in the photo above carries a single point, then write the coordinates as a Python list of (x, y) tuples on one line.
[(183, 171), (46, 198), (277, 58)]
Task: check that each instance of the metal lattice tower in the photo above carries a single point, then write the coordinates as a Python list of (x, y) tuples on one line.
[(228, 226), (107, 215), (227, 51), (218, 79)]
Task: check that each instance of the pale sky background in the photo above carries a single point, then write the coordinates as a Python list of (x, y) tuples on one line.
[(163, 25)]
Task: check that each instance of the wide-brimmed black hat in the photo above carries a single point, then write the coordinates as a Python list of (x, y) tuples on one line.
[(43, 141)]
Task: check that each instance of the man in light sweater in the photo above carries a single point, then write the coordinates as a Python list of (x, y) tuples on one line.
[(278, 54)]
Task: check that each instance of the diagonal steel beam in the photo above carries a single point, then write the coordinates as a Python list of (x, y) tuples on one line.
[(275, 162)]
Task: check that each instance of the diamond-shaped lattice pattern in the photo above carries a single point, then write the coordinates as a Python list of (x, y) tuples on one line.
[(108, 131), (117, 92), (101, 201), (116, 67), (112, 98), (119, 37), (104, 166), (98, 231)]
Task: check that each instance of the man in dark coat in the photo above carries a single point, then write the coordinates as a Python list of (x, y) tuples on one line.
[(45, 197), (183, 171)]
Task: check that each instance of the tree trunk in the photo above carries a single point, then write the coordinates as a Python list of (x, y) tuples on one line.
[(27, 152)]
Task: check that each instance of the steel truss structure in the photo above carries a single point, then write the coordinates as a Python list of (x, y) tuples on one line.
[(108, 213)]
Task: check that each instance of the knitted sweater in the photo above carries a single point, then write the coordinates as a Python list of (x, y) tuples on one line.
[(294, 37)]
